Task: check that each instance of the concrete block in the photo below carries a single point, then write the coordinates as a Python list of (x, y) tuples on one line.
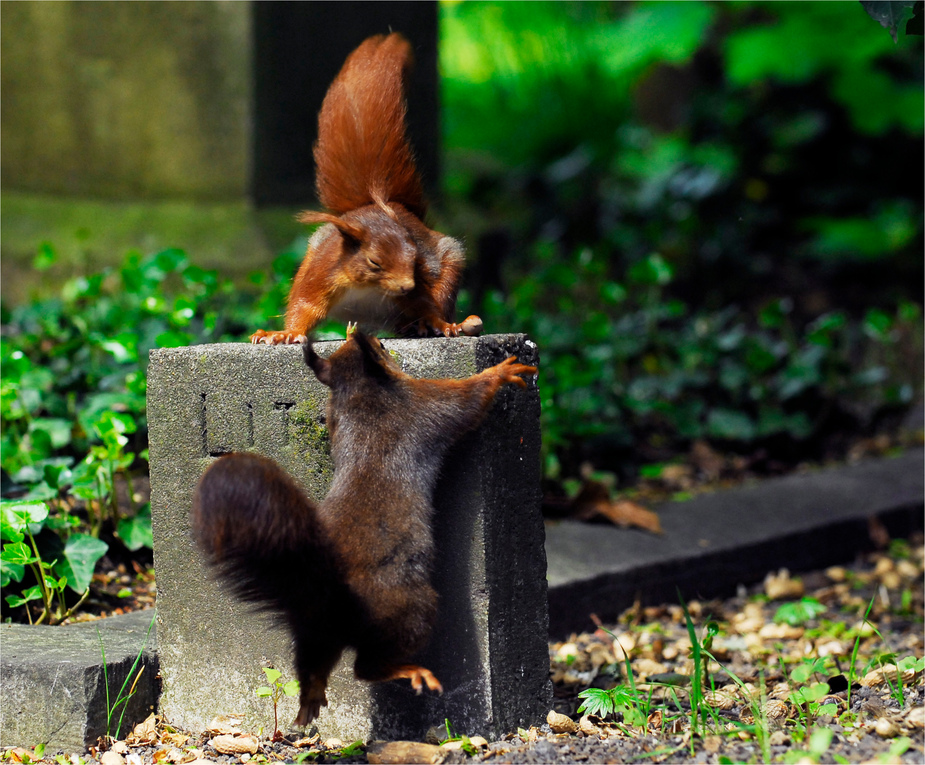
[(53, 680), (489, 644)]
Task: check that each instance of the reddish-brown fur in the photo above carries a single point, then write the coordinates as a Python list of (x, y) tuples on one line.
[(375, 262), (354, 570)]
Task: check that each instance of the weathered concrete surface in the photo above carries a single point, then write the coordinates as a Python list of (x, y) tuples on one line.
[(489, 645), (718, 540), (54, 685), (118, 100)]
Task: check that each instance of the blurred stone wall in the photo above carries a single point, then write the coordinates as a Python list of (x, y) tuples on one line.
[(145, 125), (126, 100)]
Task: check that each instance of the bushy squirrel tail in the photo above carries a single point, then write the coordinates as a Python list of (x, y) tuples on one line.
[(363, 155), (261, 534)]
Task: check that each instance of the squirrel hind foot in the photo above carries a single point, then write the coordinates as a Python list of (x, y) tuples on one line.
[(419, 676), (312, 698)]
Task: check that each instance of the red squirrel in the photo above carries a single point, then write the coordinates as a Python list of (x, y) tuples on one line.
[(355, 569), (375, 262)]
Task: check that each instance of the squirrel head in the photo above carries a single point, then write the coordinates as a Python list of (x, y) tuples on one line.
[(361, 357), (374, 248)]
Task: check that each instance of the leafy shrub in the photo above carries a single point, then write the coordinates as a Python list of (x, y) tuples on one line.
[(72, 407), (628, 369)]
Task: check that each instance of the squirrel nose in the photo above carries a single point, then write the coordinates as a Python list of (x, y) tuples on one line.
[(406, 286)]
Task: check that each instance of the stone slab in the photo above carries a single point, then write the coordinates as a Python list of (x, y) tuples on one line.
[(489, 646), (715, 541), (54, 685)]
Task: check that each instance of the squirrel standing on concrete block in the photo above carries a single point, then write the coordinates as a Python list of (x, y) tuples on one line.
[(354, 570), (375, 262)]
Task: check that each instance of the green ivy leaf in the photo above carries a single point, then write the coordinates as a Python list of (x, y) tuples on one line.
[(18, 517), (135, 532), (32, 593), (798, 613), (730, 424), (81, 553)]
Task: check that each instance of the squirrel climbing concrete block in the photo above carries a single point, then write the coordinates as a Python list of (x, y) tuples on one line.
[(489, 645)]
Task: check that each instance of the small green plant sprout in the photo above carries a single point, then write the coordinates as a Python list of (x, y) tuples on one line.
[(465, 742), (810, 698), (898, 747), (818, 744), (603, 703), (624, 699), (799, 613), (898, 675), (122, 698), (275, 691), (351, 750)]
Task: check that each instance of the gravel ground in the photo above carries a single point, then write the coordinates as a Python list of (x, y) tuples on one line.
[(874, 720)]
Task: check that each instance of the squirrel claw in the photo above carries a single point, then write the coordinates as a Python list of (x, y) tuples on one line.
[(262, 337), (510, 370), (419, 676)]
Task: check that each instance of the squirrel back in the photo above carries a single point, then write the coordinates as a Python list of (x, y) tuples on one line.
[(362, 155)]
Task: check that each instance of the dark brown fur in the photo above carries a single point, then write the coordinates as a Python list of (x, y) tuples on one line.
[(355, 570), (375, 262)]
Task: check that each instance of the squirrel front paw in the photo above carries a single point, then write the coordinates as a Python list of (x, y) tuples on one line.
[(510, 369), (471, 326), (262, 337)]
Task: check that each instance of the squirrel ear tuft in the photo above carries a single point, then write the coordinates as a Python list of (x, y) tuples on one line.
[(372, 358), (349, 230), (321, 367)]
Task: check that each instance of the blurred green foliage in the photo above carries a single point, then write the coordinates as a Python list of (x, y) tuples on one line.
[(700, 211)]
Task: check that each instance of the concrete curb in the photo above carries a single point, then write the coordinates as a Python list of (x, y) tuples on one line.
[(716, 541), (53, 680)]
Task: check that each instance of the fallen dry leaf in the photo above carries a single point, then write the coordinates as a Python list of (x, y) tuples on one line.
[(625, 513), (145, 733), (780, 586), (594, 500), (18, 754), (225, 724)]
